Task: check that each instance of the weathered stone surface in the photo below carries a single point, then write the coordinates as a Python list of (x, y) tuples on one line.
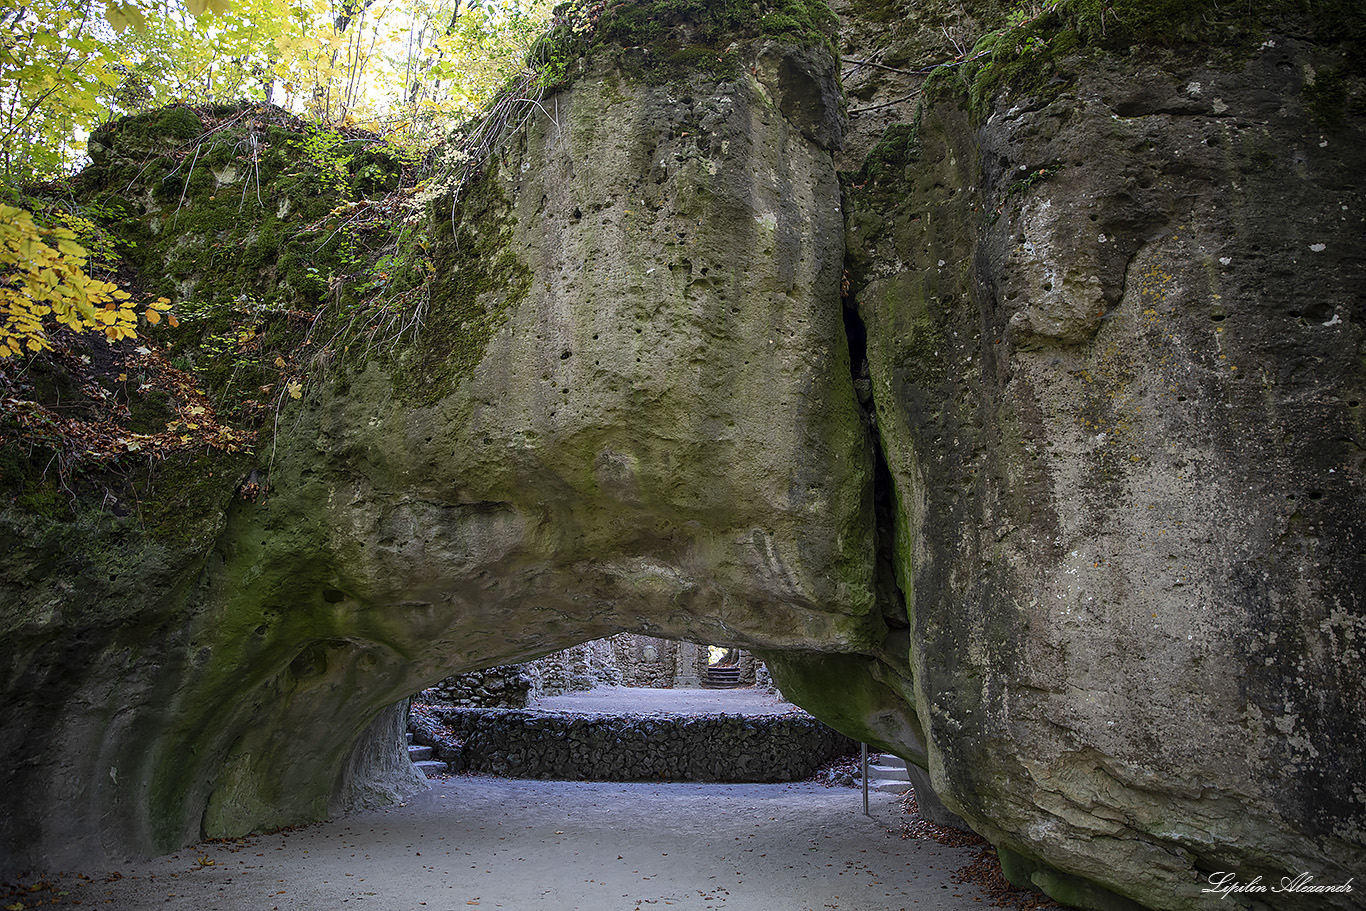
[(1116, 356), (635, 412), (1108, 594), (375, 774)]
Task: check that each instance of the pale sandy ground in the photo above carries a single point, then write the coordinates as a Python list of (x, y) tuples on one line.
[(564, 846), (617, 700)]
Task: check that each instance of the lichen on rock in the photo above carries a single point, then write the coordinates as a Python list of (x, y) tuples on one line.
[(627, 404), (1064, 290)]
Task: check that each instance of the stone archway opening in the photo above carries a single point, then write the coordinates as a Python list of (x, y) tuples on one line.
[(721, 656), (628, 707)]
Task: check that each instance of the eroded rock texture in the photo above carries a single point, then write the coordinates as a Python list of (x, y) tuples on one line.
[(631, 408), (1116, 354), (1078, 529)]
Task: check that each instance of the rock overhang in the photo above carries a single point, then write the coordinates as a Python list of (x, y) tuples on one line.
[(650, 427)]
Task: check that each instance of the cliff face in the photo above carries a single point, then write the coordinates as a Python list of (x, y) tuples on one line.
[(1116, 355), (630, 407), (1065, 506)]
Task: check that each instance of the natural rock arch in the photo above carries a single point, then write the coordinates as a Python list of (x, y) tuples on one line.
[(658, 437), (633, 409)]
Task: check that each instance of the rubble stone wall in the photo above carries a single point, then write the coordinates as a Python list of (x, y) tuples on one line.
[(632, 747)]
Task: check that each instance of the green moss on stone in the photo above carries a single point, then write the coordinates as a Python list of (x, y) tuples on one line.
[(44, 498), (886, 163), (665, 41), (139, 135), (240, 235), (806, 21), (1029, 45), (1025, 59), (1330, 97), (841, 691), (190, 492), (481, 280), (1027, 873)]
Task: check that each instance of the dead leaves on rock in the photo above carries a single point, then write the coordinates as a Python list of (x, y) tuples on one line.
[(983, 871), (97, 430)]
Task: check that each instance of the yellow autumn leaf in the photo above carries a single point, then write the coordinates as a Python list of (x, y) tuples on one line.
[(296, 389), (153, 317), (121, 15), (71, 249)]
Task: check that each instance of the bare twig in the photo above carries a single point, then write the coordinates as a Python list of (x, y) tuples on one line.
[(186, 187), (904, 98), (891, 69)]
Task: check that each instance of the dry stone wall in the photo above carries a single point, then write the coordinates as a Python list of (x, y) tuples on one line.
[(579, 667), (577, 747), (503, 687)]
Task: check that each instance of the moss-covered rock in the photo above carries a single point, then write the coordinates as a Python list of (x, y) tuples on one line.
[(484, 279), (1103, 587), (667, 41), (627, 404), (1098, 570), (263, 232)]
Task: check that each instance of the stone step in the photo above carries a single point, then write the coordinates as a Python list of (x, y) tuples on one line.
[(418, 754), (431, 767), (886, 772), (889, 775), (409, 735), (718, 678)]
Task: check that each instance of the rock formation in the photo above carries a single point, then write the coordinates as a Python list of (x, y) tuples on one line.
[(631, 407), (1118, 382), (1065, 507)]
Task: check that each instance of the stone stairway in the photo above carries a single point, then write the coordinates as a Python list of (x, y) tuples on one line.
[(721, 678), (888, 774), (422, 758)]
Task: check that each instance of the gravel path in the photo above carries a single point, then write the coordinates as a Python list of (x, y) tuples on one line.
[(562, 846), (622, 700)]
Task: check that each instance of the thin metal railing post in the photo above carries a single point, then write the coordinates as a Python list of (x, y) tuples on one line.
[(864, 750)]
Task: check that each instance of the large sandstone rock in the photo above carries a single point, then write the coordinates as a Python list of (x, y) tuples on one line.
[(632, 409), (1117, 359), (1101, 579)]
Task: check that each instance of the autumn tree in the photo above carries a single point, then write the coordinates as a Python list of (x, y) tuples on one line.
[(407, 69)]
